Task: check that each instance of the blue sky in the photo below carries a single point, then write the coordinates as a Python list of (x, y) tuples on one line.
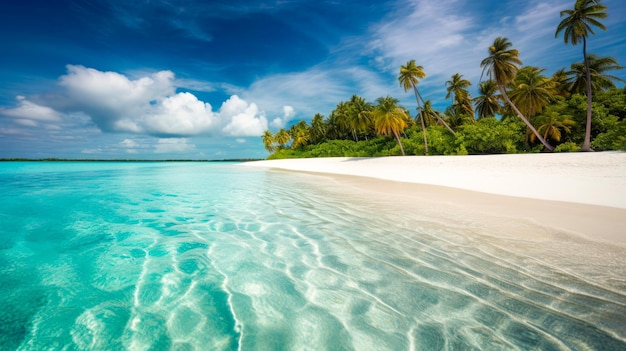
[(155, 79)]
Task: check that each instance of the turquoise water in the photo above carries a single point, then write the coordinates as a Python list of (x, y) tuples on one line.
[(203, 256)]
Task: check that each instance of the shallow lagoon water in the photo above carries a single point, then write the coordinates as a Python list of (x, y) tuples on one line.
[(198, 256)]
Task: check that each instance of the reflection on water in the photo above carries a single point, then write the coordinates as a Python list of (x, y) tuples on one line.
[(206, 256)]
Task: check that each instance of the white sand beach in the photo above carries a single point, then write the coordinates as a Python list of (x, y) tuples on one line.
[(580, 193)]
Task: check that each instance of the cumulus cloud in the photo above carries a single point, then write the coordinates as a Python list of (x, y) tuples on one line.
[(150, 104), (130, 146), (28, 112), (173, 145), (281, 122), (241, 118)]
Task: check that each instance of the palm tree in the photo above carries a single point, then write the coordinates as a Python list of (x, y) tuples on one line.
[(577, 76), (318, 129), (531, 91), (576, 26), (359, 116), (299, 134), (268, 141), (501, 66), (282, 138), (559, 78), (389, 118), (429, 114), (300, 138), (552, 126), (455, 118), (408, 78), (487, 103), (462, 100)]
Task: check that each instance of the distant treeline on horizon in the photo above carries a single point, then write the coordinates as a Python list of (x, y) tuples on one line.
[(118, 160)]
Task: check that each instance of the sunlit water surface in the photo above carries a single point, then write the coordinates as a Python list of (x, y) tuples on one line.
[(203, 256)]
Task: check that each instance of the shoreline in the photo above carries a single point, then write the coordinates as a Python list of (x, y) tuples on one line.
[(514, 195)]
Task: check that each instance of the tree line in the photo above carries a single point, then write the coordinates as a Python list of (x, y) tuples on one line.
[(518, 109)]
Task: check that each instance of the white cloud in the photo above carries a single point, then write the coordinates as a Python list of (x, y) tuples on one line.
[(128, 143), (92, 151), (173, 145), (242, 119), (29, 112), (130, 146), (27, 122), (281, 122), (150, 104), (181, 114)]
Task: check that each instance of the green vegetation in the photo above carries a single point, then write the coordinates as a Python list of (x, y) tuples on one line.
[(519, 109)]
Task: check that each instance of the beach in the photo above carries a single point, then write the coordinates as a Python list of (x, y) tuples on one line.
[(582, 194)]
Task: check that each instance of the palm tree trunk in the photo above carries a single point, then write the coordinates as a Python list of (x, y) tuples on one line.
[(436, 115), (521, 116), (421, 117), (399, 142), (587, 142)]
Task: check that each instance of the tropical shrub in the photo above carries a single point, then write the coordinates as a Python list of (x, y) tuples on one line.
[(489, 136), (568, 146)]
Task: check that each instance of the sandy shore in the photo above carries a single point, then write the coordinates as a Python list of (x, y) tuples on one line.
[(579, 193)]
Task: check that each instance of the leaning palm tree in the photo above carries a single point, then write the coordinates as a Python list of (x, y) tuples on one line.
[(408, 78), (576, 26), (268, 141), (600, 80), (411, 67), (462, 100), (501, 66), (531, 91), (389, 118), (487, 103)]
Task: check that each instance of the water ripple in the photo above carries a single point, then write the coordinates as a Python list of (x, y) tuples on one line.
[(197, 257)]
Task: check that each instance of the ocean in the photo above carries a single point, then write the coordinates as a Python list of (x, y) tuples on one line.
[(215, 256)]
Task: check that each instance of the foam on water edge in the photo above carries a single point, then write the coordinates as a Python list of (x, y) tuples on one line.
[(203, 256)]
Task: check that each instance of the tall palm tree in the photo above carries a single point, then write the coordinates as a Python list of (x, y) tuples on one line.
[(282, 137), (598, 66), (501, 66), (408, 78), (342, 115), (318, 129), (531, 91), (359, 116), (390, 119), (457, 86), (487, 103), (576, 27), (268, 141)]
